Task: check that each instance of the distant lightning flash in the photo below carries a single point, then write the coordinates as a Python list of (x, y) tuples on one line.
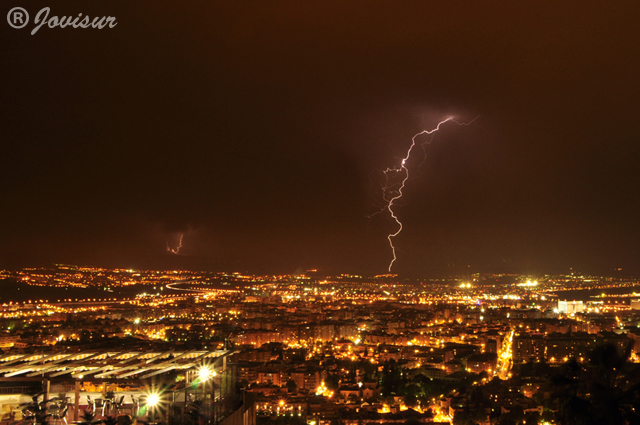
[(177, 249), (403, 169)]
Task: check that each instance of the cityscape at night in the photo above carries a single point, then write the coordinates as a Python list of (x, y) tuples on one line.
[(307, 347), (320, 213)]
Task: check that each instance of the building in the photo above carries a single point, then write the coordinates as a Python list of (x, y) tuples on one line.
[(527, 347), (483, 362), (569, 307), (561, 347)]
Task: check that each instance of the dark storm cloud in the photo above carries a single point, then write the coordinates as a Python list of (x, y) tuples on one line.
[(257, 126)]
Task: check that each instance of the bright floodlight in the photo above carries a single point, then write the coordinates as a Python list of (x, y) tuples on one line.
[(153, 399), (205, 373)]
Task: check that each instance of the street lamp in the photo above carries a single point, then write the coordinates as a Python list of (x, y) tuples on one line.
[(205, 372), (153, 400)]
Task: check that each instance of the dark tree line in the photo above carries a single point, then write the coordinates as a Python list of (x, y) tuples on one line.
[(605, 390)]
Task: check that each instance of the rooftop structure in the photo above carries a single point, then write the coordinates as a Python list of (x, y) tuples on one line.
[(140, 383)]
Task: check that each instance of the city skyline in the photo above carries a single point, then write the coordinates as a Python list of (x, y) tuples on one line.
[(309, 349)]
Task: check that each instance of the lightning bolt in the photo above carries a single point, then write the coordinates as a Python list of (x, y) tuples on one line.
[(177, 249), (403, 170)]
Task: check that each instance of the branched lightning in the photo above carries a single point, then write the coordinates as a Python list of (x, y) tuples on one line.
[(398, 192), (177, 249)]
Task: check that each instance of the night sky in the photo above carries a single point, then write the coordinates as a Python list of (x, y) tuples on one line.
[(259, 131)]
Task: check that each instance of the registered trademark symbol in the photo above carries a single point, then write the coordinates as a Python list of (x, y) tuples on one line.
[(18, 17)]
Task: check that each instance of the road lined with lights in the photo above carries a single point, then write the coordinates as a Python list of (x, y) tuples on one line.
[(504, 361)]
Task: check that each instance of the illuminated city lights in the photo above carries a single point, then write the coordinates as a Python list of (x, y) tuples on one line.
[(348, 319)]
